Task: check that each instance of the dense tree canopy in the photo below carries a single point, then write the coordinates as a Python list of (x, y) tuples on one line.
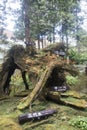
[(39, 18), (45, 16)]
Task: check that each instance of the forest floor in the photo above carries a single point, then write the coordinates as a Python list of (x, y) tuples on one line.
[(67, 118)]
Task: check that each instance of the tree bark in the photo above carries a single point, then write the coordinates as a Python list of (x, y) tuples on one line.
[(26, 21), (39, 86)]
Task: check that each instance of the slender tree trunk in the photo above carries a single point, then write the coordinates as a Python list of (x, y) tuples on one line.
[(50, 37), (77, 43), (62, 36), (38, 42), (67, 45), (77, 30), (53, 33), (42, 41)]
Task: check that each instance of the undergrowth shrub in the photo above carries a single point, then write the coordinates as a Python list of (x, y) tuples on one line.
[(79, 122), (75, 56), (71, 80)]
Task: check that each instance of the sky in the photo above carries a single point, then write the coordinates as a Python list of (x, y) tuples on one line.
[(84, 13), (10, 18)]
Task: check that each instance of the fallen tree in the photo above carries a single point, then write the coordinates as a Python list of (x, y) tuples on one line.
[(48, 80), (18, 58), (39, 86), (45, 70)]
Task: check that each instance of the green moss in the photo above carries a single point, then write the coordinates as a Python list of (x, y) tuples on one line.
[(8, 124), (79, 122), (60, 121)]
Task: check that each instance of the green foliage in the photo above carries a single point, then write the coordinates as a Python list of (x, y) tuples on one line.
[(79, 58), (84, 57), (79, 122), (75, 56), (70, 80)]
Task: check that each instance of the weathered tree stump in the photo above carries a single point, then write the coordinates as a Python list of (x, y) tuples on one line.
[(45, 69)]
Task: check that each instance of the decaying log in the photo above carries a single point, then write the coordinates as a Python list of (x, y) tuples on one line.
[(26, 102), (72, 98)]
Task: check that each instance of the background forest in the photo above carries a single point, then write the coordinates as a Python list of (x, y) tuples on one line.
[(45, 22)]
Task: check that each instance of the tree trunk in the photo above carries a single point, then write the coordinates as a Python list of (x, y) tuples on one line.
[(42, 42), (53, 33), (77, 31), (77, 43), (38, 42), (67, 46), (62, 36), (39, 86), (26, 21)]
